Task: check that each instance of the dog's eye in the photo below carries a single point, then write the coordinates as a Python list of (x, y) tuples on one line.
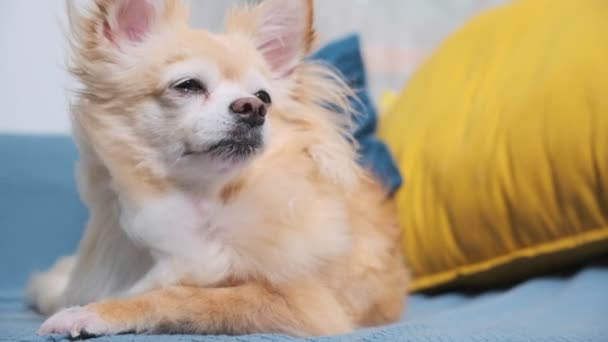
[(189, 86), (264, 97)]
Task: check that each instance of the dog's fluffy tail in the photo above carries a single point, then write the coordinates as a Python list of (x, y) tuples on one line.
[(45, 289)]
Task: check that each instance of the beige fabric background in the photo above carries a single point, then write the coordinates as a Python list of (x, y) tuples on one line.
[(396, 34)]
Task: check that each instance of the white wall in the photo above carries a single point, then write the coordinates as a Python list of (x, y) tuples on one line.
[(33, 80), (397, 35)]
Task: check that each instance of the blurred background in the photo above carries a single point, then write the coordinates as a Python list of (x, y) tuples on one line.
[(396, 37)]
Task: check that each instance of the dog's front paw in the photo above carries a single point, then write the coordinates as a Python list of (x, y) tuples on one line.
[(77, 321)]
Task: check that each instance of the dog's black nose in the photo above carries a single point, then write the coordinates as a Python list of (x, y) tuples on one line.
[(250, 110)]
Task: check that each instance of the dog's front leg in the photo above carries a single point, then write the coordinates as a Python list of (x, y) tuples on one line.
[(249, 308)]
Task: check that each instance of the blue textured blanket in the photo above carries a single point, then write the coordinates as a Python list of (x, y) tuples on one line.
[(550, 309)]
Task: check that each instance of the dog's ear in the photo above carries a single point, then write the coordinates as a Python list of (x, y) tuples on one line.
[(121, 23), (282, 30)]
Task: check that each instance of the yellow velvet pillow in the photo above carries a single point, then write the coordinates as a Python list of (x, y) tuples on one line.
[(502, 137)]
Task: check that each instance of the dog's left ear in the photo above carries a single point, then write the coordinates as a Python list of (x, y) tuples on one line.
[(109, 27), (282, 30), (132, 21)]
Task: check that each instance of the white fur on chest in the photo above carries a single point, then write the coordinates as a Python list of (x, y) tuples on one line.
[(182, 235), (204, 242)]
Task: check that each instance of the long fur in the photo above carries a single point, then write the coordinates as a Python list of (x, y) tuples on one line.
[(299, 239)]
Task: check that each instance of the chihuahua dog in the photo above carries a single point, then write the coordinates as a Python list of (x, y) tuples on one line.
[(222, 184)]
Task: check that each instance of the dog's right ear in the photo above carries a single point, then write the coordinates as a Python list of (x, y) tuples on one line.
[(282, 31), (119, 24)]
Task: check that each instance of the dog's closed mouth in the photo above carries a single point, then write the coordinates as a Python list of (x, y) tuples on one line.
[(228, 148), (235, 148), (188, 153), (191, 152), (241, 142)]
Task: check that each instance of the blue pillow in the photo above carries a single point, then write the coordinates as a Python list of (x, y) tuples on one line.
[(344, 55)]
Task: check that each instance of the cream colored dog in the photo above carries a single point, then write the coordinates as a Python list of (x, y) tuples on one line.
[(224, 193)]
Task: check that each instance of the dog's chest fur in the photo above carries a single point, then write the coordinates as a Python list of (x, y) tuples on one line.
[(269, 237)]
